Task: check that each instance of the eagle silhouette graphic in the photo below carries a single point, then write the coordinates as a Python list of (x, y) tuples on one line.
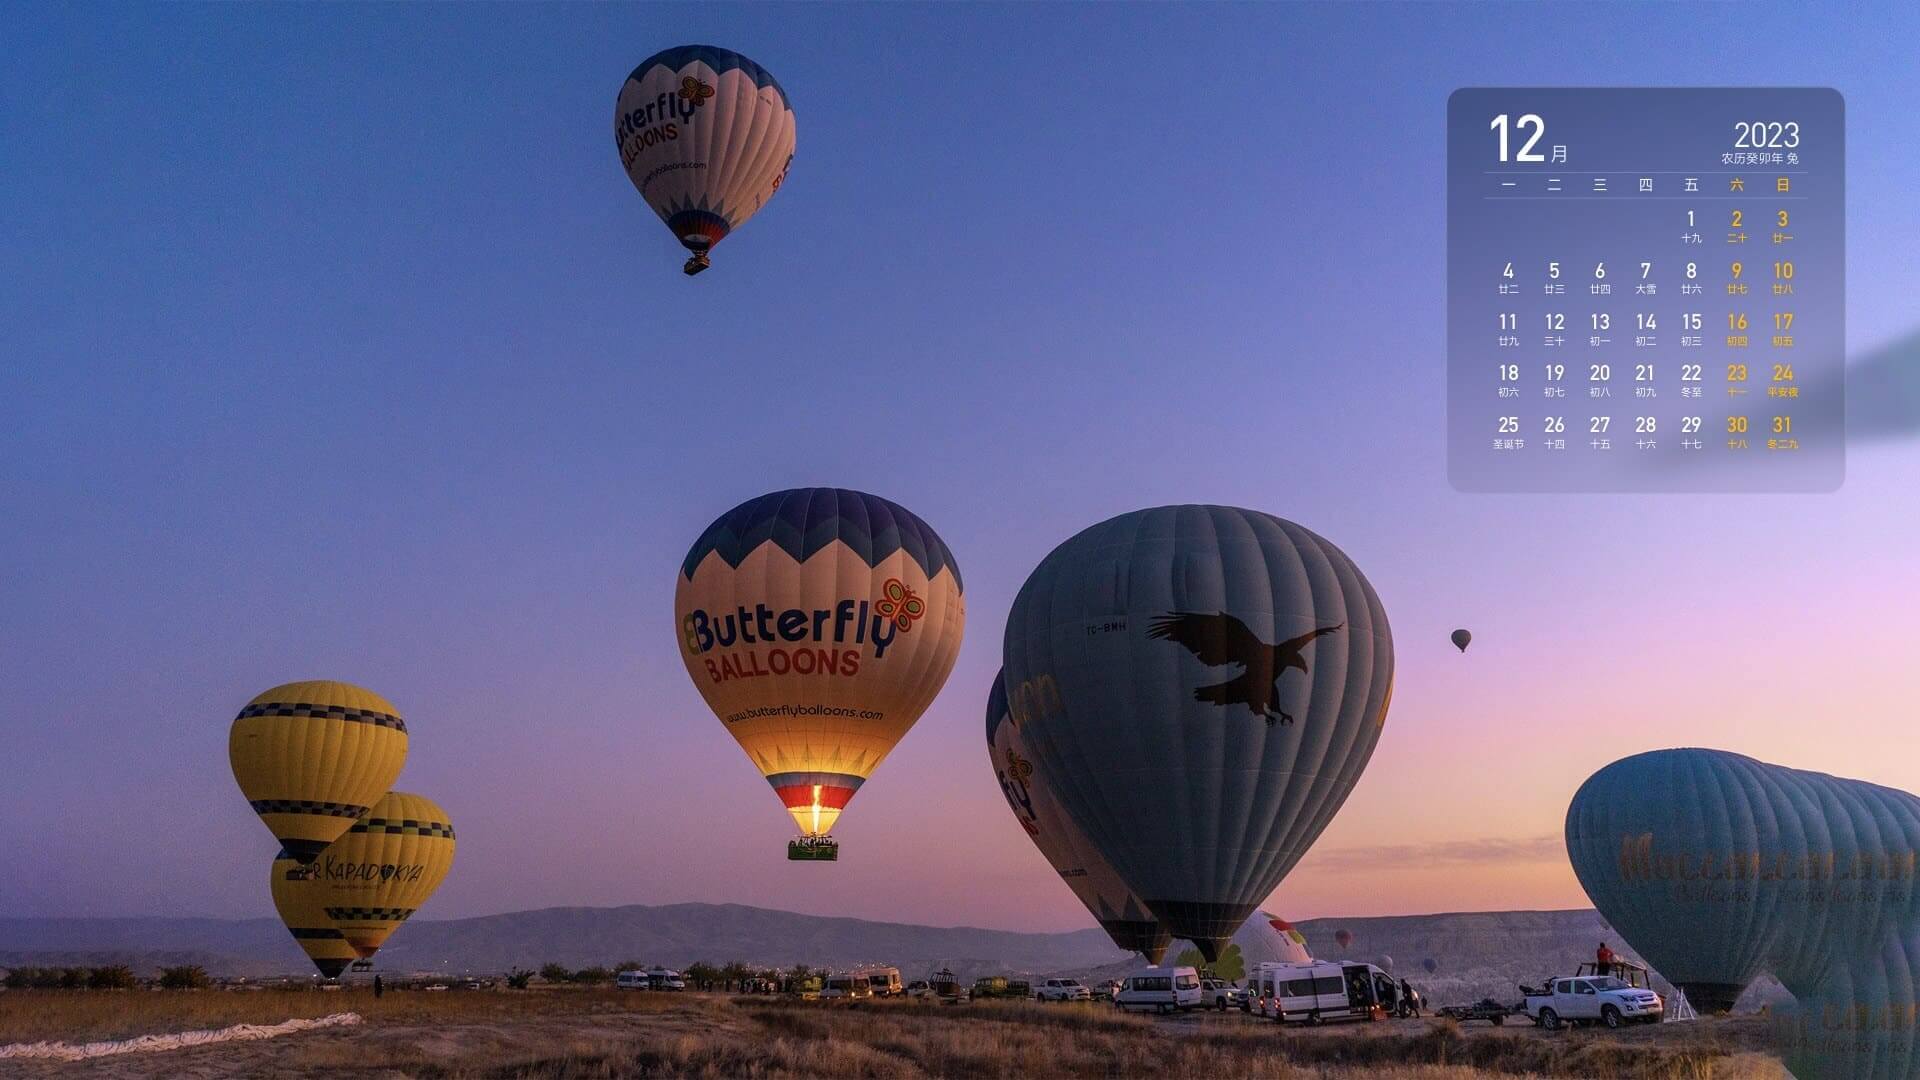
[(1219, 639)]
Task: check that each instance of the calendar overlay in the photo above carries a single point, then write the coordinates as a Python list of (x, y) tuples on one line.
[(1646, 290)]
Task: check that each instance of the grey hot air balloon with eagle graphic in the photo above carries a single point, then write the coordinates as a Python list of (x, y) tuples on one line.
[(1203, 686)]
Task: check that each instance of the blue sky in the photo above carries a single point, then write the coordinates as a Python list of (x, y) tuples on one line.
[(335, 343)]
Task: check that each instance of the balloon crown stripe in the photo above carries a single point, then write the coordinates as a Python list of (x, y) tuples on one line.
[(323, 712), (408, 829)]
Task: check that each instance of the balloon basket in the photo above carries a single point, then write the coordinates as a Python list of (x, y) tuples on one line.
[(813, 849), (361, 965), (696, 263)]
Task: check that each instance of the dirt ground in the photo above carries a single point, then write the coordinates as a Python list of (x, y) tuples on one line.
[(597, 1034)]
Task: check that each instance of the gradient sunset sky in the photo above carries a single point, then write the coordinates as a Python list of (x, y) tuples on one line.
[(334, 343)]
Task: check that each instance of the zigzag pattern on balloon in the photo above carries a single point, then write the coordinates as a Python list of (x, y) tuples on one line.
[(1717, 868), (801, 521), (719, 59)]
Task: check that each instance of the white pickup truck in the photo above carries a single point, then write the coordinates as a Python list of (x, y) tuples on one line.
[(1592, 999)]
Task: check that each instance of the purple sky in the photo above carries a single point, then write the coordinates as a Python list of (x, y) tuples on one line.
[(335, 344)]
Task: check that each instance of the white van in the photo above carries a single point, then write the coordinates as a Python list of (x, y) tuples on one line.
[(1160, 989), (1318, 991), (846, 986), (666, 979), (632, 980), (884, 981)]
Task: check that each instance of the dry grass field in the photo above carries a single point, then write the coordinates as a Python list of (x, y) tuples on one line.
[(607, 1033)]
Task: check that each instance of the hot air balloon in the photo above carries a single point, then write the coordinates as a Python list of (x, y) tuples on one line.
[(297, 898), (1717, 867), (1204, 686), (1461, 638), (386, 866), (1267, 938), (1344, 938), (706, 135), (1120, 913), (1430, 964), (1858, 1021), (311, 757), (819, 624), (1386, 962)]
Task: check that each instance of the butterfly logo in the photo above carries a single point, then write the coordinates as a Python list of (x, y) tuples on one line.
[(693, 91), (899, 603)]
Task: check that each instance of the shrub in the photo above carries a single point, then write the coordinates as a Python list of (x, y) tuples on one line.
[(518, 978), (556, 973), (593, 975), (111, 977), (184, 977)]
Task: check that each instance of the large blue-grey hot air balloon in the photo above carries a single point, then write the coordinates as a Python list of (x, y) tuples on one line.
[(1717, 867), (1034, 804), (1203, 685)]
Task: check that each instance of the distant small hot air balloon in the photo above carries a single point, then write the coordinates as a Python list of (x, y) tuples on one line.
[(706, 135), (298, 900), (311, 757), (376, 876), (1461, 638), (1344, 938), (1386, 962), (1430, 964), (818, 623)]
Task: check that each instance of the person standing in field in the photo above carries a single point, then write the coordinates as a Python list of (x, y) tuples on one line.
[(1603, 960), (378, 987)]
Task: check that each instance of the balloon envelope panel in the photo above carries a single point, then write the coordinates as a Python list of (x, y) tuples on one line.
[(1859, 1022), (1206, 684), (301, 908), (706, 136), (1717, 867), (376, 876), (819, 624), (1122, 914), (311, 757), (1267, 938)]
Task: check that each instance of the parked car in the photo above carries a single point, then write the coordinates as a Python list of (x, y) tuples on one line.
[(989, 986), (1221, 994), (632, 980), (919, 988), (1321, 990), (1105, 991), (1160, 989), (1062, 990), (1592, 999)]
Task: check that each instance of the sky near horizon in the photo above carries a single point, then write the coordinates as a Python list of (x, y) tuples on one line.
[(334, 343)]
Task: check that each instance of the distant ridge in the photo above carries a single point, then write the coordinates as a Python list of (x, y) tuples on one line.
[(671, 934)]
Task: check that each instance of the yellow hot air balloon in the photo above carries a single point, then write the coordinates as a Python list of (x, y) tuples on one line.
[(297, 898), (311, 757), (376, 876), (818, 624)]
